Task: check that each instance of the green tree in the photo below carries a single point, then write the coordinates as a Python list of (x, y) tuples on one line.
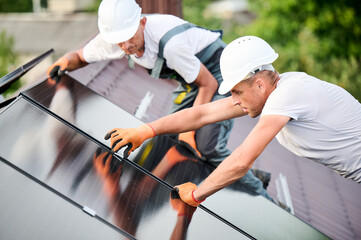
[(16, 6), (8, 59), (193, 12), (322, 38), (94, 6), (7, 55)]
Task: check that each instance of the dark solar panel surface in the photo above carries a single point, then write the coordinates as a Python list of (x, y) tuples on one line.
[(61, 143), (121, 194), (30, 210)]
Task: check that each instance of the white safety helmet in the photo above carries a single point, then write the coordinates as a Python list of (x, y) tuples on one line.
[(118, 20), (245, 55)]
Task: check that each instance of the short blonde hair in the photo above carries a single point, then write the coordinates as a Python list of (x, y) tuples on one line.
[(269, 75)]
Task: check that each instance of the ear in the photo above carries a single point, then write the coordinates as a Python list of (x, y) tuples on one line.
[(143, 21), (260, 84)]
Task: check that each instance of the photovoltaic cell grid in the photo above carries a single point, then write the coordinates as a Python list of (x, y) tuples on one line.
[(54, 133)]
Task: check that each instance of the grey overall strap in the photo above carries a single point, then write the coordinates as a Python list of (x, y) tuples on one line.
[(163, 41)]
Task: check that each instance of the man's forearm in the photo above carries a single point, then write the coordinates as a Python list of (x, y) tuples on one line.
[(181, 121), (76, 60), (207, 86), (241, 160), (228, 172), (204, 96), (195, 117)]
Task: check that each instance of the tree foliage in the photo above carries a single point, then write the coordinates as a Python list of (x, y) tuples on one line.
[(94, 6), (332, 26), (320, 37), (8, 60), (7, 55), (193, 12), (16, 6), (8, 6)]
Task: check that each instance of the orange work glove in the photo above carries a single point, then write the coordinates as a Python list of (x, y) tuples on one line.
[(58, 68), (132, 137), (185, 192)]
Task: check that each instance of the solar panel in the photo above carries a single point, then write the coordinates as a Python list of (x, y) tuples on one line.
[(55, 134), (30, 210), (65, 160)]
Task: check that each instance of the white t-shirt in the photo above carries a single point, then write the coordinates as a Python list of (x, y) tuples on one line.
[(179, 52), (325, 125)]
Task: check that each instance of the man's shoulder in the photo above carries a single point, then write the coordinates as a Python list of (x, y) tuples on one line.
[(293, 75), (159, 24), (163, 18)]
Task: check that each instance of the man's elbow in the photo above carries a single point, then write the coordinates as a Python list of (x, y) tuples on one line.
[(211, 87), (242, 165), (215, 86)]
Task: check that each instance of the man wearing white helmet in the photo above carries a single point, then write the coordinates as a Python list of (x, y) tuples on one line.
[(310, 117), (165, 45)]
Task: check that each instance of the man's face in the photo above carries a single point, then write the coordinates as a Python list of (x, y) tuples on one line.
[(250, 98), (135, 45)]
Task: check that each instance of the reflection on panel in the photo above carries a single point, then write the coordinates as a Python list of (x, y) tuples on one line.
[(30, 211), (237, 204), (86, 173), (161, 156), (81, 107)]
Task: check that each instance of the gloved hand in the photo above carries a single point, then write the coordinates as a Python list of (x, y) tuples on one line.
[(185, 192), (133, 137), (57, 69)]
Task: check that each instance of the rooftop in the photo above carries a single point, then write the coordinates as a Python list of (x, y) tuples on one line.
[(320, 197)]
